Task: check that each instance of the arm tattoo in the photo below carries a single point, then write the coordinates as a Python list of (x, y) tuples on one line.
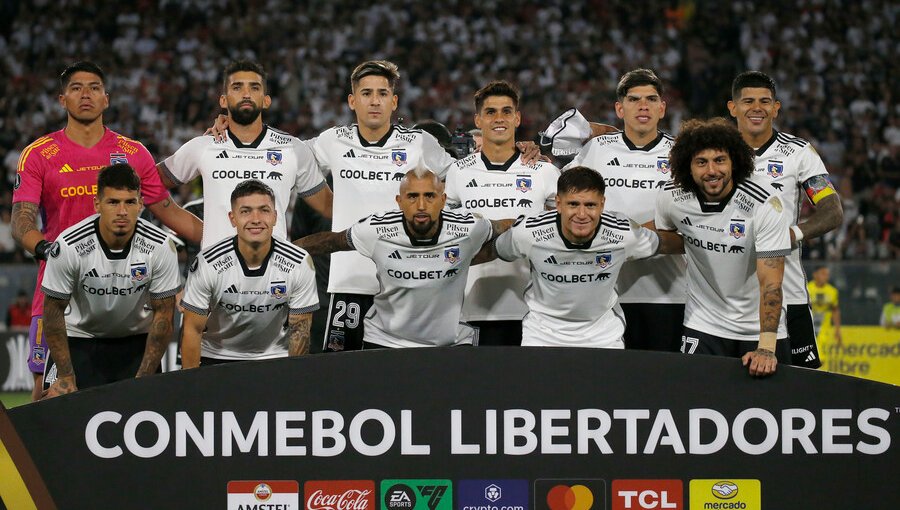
[(770, 308), (55, 333), (828, 215), (771, 262), (159, 336), (323, 243), (24, 220), (298, 340)]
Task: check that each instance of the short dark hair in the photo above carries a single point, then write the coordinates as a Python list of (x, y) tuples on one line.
[(752, 79), (118, 176), (580, 178), (251, 187), (383, 68), (637, 78), (243, 65), (698, 135), (496, 88), (81, 66)]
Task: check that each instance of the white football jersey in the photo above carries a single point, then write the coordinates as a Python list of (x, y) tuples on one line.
[(572, 299), (422, 282), (786, 162), (366, 178), (494, 290), (109, 292), (276, 158), (248, 308), (634, 176), (723, 242)]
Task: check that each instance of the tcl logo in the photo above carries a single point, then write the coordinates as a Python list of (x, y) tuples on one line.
[(647, 494), (340, 495)]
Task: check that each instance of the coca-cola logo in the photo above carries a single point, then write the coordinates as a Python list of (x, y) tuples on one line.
[(340, 495)]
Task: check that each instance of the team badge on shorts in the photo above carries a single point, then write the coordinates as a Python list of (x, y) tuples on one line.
[(451, 254), (118, 158), (398, 157), (523, 184), (138, 271), (736, 230), (603, 259), (38, 355), (278, 289), (662, 165), (775, 170), (273, 157)]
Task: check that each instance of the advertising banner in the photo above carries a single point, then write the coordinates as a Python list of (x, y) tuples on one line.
[(473, 428)]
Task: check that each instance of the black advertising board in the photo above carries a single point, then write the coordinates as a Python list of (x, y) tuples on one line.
[(568, 424)]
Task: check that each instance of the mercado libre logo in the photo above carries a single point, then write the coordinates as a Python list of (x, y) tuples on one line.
[(570, 494)]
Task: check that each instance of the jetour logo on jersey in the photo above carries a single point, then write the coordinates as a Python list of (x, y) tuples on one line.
[(737, 229), (138, 271), (775, 169), (523, 184)]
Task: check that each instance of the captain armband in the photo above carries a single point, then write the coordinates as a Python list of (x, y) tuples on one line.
[(818, 187)]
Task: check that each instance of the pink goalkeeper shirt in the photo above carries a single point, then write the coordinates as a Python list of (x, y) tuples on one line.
[(60, 176)]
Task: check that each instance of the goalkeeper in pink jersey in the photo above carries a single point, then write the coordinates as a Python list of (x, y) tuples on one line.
[(56, 178)]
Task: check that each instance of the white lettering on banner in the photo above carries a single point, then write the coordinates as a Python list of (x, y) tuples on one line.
[(521, 432), (19, 377)]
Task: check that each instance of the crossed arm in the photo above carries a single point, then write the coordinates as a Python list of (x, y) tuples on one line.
[(298, 333), (24, 225)]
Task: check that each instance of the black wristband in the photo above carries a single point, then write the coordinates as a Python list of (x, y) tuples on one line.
[(41, 249)]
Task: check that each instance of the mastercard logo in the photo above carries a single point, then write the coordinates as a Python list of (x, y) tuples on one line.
[(575, 497)]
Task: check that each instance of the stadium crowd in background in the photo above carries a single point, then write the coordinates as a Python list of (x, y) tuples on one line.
[(832, 60)]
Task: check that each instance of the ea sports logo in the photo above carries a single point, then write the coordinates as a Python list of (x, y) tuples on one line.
[(564, 497), (725, 490), (262, 492), (399, 497)]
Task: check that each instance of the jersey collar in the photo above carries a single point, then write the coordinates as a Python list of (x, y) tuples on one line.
[(262, 267), (646, 148), (252, 145), (573, 246), (762, 150), (425, 242), (111, 255), (503, 166), (379, 143), (715, 207)]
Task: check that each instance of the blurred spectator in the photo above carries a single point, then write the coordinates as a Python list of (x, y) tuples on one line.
[(835, 62), (890, 313), (7, 244), (18, 314)]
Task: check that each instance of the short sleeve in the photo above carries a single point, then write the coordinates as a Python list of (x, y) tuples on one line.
[(309, 179), (184, 165), (434, 156), (199, 287), (304, 296), (317, 146), (29, 183), (507, 245), (662, 217), (452, 189), (61, 273), (484, 230), (810, 164), (166, 280), (152, 189), (642, 243), (772, 236), (551, 176), (362, 237)]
